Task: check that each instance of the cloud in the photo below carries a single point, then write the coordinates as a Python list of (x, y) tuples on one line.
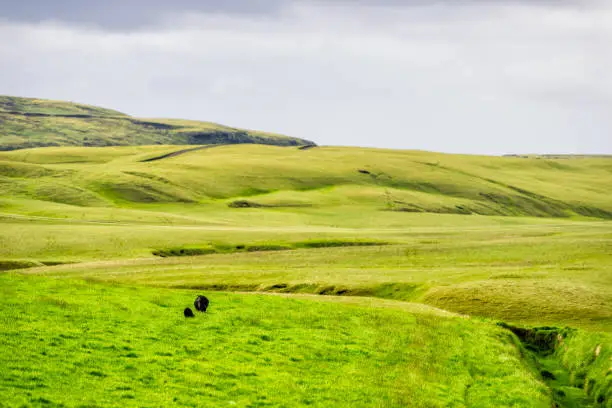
[(138, 14), (499, 77), (125, 14)]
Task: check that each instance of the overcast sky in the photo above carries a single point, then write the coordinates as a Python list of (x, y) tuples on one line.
[(494, 77)]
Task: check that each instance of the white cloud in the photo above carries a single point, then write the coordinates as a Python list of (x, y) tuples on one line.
[(496, 78)]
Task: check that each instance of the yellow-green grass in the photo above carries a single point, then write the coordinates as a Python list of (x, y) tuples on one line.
[(319, 178), (509, 267), (28, 123), (526, 241), (78, 344), (539, 274), (51, 107), (585, 359)]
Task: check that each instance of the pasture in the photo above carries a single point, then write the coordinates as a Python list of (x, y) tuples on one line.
[(351, 277)]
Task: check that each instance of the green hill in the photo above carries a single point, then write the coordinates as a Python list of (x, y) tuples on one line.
[(134, 349), (392, 278), (322, 177), (28, 123)]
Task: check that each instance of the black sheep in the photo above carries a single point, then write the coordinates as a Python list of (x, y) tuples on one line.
[(201, 303), (188, 312)]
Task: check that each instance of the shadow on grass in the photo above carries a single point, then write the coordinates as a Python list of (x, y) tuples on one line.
[(260, 247)]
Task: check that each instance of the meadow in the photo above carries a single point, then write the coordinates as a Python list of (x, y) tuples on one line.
[(246, 351), (338, 277)]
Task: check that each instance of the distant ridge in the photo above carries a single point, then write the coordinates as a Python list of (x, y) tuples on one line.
[(28, 123), (560, 156)]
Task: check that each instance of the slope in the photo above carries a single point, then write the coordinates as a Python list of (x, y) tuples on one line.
[(526, 241), (27, 123), (76, 344), (498, 237), (271, 177)]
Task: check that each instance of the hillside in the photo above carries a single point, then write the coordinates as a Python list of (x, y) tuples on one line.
[(270, 177), (29, 123), (448, 280), (133, 349)]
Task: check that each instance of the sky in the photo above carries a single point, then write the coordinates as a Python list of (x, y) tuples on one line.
[(459, 76)]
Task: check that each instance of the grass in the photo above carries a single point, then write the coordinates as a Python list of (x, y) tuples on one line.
[(267, 246), (74, 343), (306, 181), (49, 107), (587, 358), (30, 123), (529, 274), (129, 243), (575, 364)]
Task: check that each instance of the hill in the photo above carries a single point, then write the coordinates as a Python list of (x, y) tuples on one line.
[(473, 234), (134, 349), (28, 123), (392, 278), (277, 177)]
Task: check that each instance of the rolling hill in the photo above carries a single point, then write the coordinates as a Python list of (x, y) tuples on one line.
[(280, 177), (28, 123), (407, 225), (361, 277)]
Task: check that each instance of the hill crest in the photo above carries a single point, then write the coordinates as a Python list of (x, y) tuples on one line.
[(30, 122)]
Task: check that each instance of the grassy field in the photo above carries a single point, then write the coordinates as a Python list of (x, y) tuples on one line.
[(556, 274), (98, 345), (317, 178), (420, 256), (29, 123)]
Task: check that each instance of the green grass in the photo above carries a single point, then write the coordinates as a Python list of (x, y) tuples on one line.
[(525, 241), (307, 181), (536, 274), (49, 107), (29, 123), (79, 344), (587, 358), (267, 246), (574, 364)]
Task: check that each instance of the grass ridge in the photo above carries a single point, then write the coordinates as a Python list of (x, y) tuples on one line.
[(28, 123)]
